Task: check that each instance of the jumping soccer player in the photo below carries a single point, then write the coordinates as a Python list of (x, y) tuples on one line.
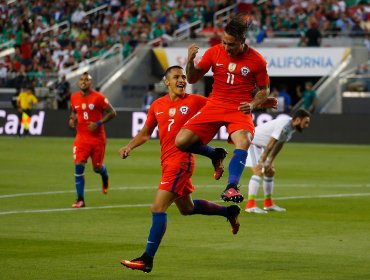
[(238, 70), (170, 112)]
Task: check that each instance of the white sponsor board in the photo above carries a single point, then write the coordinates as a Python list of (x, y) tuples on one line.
[(282, 62), (139, 118), (9, 123)]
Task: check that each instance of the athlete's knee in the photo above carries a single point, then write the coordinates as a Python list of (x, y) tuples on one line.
[(158, 208), (185, 211), (97, 169), (242, 139), (270, 172), (183, 140), (257, 171)]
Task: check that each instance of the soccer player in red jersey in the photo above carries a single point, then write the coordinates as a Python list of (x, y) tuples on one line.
[(238, 70), (169, 113), (90, 109)]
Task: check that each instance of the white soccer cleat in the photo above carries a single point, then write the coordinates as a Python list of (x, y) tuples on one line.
[(274, 208), (255, 210)]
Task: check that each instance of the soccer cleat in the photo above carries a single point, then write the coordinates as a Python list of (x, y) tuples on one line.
[(105, 187), (78, 204), (143, 263), (232, 194), (255, 210), (232, 217), (274, 208), (217, 162)]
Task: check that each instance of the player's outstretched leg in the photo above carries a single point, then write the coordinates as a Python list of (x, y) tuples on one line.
[(143, 263), (232, 216), (231, 193), (217, 162)]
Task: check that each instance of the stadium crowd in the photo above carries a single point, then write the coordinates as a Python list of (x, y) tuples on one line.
[(41, 51)]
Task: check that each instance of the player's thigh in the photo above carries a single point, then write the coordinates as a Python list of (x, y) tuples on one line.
[(238, 121), (206, 123), (81, 152), (176, 179), (97, 156), (254, 154)]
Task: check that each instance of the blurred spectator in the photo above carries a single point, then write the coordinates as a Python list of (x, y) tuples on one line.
[(215, 39), (63, 89), (302, 42), (361, 83), (280, 108), (209, 30), (309, 97), (3, 73), (149, 98), (78, 15), (313, 36), (287, 106)]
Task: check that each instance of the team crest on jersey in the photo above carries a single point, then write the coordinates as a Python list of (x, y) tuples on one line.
[(231, 67), (83, 106), (172, 112), (184, 110), (91, 106), (244, 71)]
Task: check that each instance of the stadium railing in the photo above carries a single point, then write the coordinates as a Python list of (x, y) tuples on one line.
[(57, 28), (185, 32), (223, 15)]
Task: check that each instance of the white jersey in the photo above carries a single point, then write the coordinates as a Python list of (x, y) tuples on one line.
[(281, 129)]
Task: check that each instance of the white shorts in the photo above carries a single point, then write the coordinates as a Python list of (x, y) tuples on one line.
[(254, 154)]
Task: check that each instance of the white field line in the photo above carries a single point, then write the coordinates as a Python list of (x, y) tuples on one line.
[(148, 205), (292, 185)]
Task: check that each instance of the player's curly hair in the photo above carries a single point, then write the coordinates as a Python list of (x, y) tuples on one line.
[(238, 26)]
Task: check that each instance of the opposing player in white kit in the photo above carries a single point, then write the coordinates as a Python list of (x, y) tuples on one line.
[(268, 140)]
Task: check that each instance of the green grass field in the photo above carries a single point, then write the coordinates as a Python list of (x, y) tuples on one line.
[(325, 233)]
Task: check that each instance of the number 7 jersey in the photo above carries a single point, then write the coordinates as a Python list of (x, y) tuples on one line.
[(170, 116)]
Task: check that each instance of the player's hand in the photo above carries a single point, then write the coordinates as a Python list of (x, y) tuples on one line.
[(72, 122), (192, 52), (245, 107), (260, 168), (92, 126), (124, 152), (270, 102)]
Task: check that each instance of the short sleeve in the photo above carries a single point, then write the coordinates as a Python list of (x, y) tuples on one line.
[(205, 62), (151, 120), (262, 77)]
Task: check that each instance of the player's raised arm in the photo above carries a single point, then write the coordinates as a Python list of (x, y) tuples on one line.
[(193, 73)]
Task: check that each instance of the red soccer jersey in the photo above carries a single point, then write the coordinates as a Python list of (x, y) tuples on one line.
[(170, 116), (235, 78), (89, 108)]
